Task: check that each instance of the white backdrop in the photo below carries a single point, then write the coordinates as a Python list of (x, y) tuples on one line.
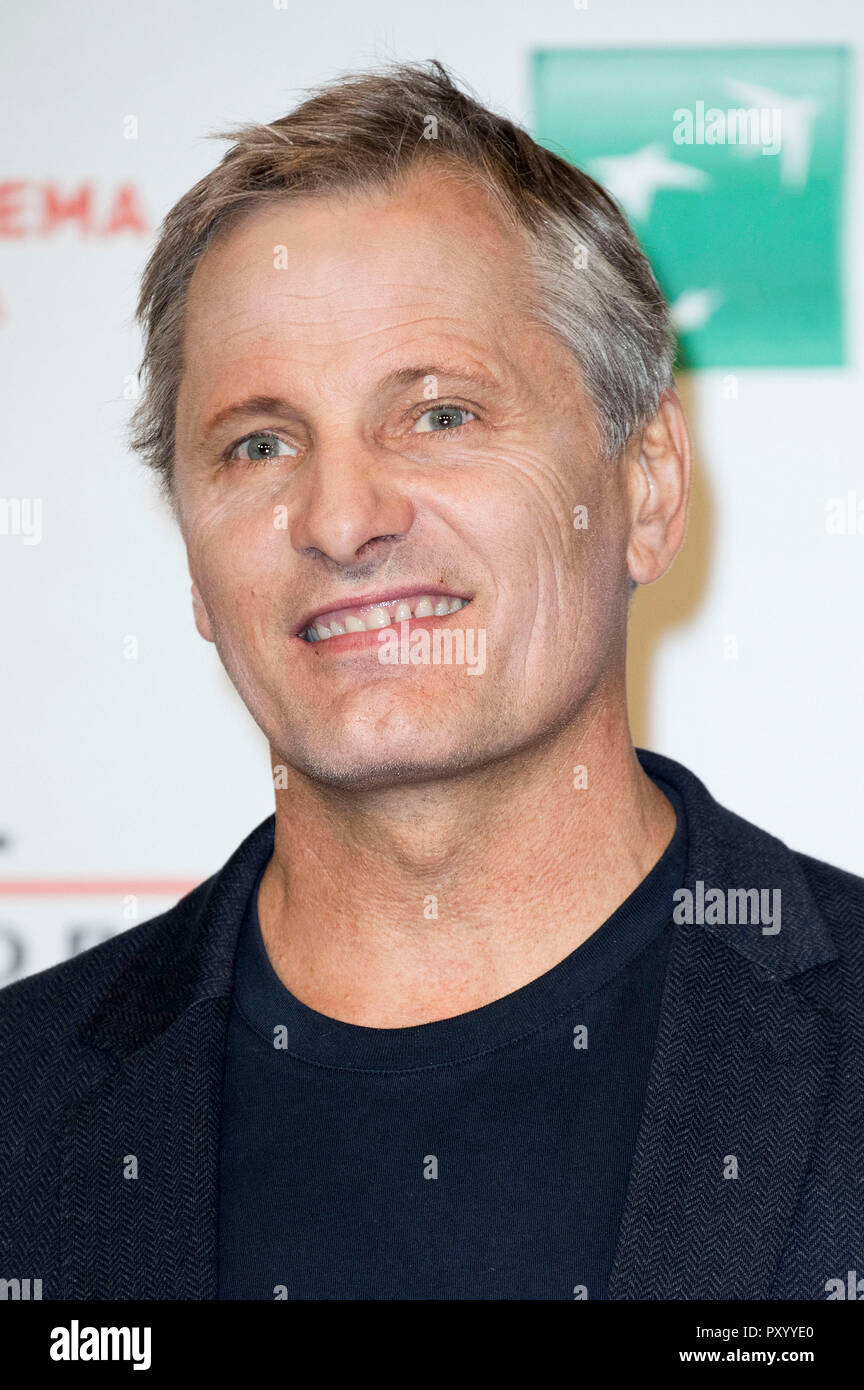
[(124, 780)]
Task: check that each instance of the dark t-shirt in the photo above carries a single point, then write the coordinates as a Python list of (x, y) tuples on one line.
[(479, 1157)]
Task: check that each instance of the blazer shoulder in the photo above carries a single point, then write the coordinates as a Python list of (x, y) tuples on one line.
[(64, 995), (121, 992)]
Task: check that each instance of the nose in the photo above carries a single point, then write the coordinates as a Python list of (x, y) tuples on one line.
[(349, 504)]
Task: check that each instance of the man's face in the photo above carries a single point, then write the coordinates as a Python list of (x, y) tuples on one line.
[(400, 431)]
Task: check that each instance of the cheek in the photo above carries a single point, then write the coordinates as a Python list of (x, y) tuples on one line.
[(558, 586), (234, 560), (544, 531), (518, 507)]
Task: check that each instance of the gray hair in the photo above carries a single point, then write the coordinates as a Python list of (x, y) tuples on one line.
[(366, 130)]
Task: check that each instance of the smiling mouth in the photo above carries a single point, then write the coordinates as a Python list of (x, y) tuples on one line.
[(370, 617)]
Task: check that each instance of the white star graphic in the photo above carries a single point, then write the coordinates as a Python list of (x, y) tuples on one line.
[(796, 127), (693, 308), (633, 179)]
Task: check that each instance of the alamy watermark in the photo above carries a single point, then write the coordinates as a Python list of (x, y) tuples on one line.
[(718, 907), (852, 1287), (21, 516), (20, 1290), (442, 646), (760, 126), (77, 1343)]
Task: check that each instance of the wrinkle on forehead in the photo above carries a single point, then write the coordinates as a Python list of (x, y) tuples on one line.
[(433, 240)]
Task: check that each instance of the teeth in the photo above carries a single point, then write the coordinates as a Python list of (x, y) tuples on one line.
[(380, 616), (377, 617)]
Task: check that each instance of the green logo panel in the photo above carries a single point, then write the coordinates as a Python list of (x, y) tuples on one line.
[(729, 163)]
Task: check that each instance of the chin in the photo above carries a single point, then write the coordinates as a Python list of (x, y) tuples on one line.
[(367, 773), (383, 766)]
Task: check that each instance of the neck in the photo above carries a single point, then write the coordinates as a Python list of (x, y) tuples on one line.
[(404, 905)]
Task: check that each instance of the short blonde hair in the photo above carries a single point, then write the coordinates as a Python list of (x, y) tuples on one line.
[(369, 129)]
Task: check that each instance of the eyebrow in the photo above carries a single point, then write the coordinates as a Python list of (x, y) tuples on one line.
[(401, 377), (406, 376), (252, 405)]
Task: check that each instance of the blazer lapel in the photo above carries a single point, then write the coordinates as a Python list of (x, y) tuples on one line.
[(140, 1187), (738, 1080), (739, 1076), (143, 1166)]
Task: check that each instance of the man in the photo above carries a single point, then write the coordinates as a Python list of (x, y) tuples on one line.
[(493, 1007)]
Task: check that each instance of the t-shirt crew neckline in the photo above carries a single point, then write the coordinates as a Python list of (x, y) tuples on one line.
[(278, 1016)]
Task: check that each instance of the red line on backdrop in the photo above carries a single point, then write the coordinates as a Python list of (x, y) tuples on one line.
[(33, 887)]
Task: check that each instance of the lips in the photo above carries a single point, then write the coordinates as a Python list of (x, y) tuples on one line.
[(379, 612)]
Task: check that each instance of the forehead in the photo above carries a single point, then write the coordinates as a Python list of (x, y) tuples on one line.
[(331, 273)]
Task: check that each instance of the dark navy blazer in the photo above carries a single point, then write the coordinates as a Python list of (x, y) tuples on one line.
[(759, 1056)]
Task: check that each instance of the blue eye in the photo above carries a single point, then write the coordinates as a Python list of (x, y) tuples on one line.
[(444, 418), (262, 446)]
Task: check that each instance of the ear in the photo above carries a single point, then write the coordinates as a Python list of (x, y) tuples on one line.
[(658, 483), (202, 621)]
